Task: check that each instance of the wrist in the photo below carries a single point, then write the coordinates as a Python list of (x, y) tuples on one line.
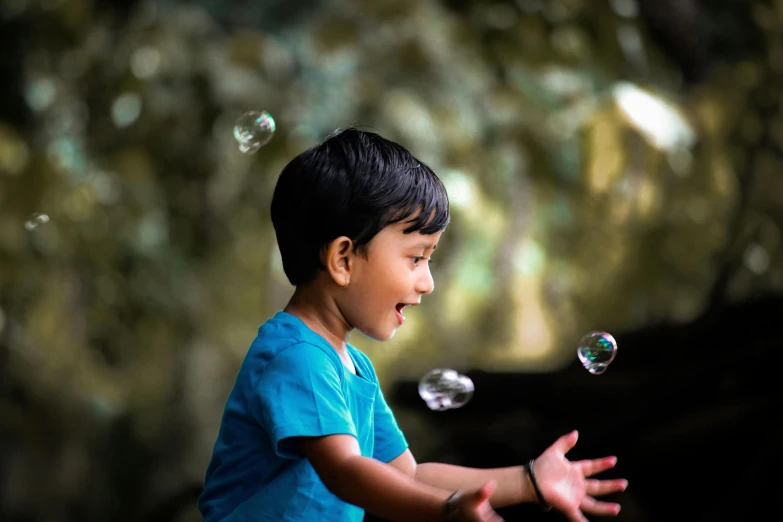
[(533, 484)]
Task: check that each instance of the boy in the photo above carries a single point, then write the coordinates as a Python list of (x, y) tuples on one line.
[(306, 435)]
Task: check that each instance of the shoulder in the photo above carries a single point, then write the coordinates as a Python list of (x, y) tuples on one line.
[(283, 340)]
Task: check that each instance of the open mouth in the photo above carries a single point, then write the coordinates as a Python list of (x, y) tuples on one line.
[(400, 316)]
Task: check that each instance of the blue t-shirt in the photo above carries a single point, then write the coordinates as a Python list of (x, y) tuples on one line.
[(292, 383)]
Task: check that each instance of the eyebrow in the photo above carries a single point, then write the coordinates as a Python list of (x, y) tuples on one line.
[(425, 246)]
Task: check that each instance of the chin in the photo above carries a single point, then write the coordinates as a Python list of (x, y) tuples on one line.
[(389, 335), (380, 335)]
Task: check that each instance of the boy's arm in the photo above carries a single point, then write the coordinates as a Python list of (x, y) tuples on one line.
[(566, 485), (371, 484), (512, 486)]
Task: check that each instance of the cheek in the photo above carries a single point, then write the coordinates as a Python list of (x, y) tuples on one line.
[(364, 303), (369, 307)]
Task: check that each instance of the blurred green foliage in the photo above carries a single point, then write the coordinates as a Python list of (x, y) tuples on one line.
[(592, 188)]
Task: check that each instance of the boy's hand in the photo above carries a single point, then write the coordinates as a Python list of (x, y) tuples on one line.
[(566, 487), (473, 506)]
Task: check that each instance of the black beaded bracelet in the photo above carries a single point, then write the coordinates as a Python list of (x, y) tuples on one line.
[(531, 477)]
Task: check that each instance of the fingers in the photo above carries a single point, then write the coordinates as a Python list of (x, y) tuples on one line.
[(486, 514), (486, 491), (595, 466), (481, 497), (576, 516), (597, 507), (566, 442), (597, 488)]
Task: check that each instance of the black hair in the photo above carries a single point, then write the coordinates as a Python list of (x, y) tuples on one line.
[(354, 184)]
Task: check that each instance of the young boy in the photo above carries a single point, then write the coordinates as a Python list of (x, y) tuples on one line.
[(306, 435)]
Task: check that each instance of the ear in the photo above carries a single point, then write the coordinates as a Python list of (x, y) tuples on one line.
[(339, 262)]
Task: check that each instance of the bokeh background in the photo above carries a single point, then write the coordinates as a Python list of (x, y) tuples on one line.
[(612, 165)]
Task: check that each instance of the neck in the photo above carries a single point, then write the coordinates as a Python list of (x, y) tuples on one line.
[(321, 314)]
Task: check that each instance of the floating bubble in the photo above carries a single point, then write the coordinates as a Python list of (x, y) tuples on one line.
[(253, 130), (596, 351), (444, 389), (36, 220)]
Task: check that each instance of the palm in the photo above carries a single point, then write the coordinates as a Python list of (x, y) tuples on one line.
[(566, 485)]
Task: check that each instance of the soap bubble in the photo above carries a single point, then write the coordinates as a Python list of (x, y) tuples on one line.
[(253, 130), (35, 220), (444, 389), (596, 351)]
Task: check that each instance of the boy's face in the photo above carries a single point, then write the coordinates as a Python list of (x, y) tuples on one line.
[(393, 273)]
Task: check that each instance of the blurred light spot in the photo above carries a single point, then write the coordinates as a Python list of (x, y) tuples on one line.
[(474, 275), (412, 118), (659, 121), (106, 190), (570, 41), (460, 188), (145, 62), (530, 6), (680, 160), (14, 153), (560, 212), (564, 123), (66, 155), (534, 336), (277, 59), (530, 257), (757, 259), (625, 8), (647, 197), (66, 118), (151, 231), (564, 81), (605, 162), (35, 220), (79, 203), (126, 109), (104, 407), (40, 94), (631, 43), (2, 320), (764, 16)]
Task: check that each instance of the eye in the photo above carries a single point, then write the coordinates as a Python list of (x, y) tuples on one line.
[(416, 259)]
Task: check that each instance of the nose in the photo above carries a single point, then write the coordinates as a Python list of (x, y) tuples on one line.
[(424, 283)]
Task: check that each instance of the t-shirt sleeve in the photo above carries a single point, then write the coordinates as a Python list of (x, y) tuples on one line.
[(389, 439), (300, 394)]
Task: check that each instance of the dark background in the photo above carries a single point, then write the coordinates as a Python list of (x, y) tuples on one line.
[(576, 207)]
